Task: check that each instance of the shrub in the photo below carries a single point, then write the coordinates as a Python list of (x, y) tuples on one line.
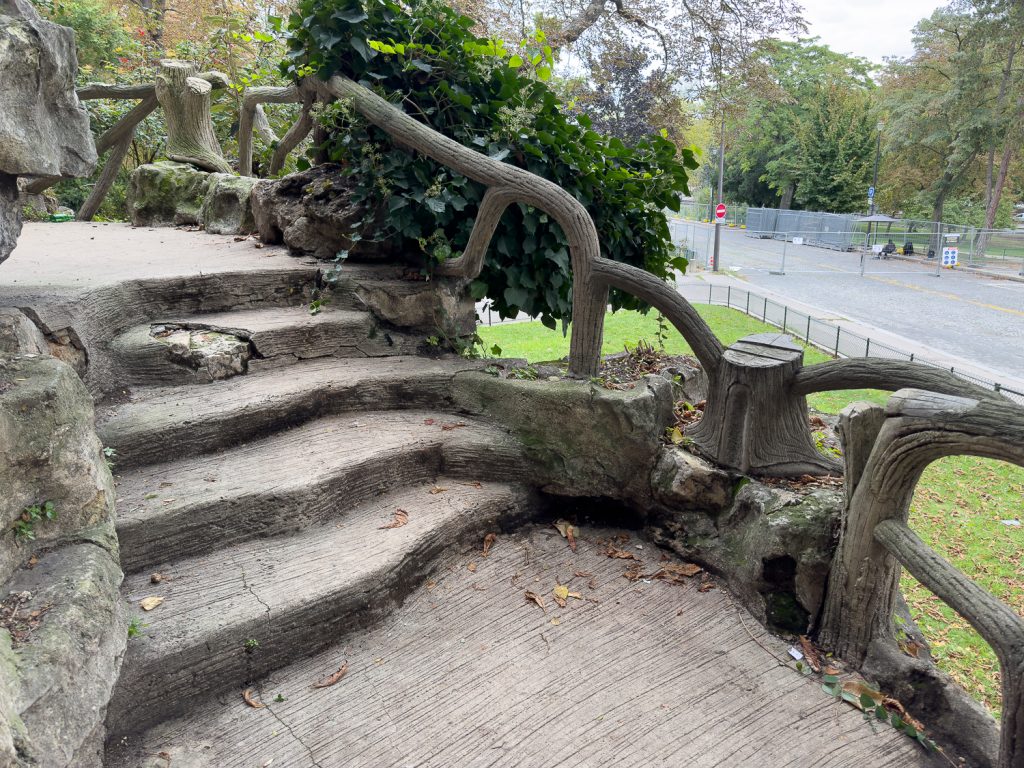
[(426, 58)]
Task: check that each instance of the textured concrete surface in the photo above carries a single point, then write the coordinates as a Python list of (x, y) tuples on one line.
[(471, 673)]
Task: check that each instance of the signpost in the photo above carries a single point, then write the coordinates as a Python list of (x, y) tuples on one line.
[(719, 218)]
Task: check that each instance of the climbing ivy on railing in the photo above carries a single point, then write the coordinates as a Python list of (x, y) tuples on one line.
[(486, 96)]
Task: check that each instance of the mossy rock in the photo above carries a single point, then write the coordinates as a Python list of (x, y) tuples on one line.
[(167, 193)]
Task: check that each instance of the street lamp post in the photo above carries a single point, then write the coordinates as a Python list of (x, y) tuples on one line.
[(878, 153)]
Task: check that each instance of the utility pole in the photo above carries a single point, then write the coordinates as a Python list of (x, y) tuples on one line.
[(721, 177), (878, 152)]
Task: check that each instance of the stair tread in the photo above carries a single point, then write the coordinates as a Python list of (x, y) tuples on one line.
[(469, 672), (197, 416), (243, 582), (295, 458), (292, 594)]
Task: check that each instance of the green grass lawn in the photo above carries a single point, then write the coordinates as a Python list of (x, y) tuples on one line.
[(957, 509)]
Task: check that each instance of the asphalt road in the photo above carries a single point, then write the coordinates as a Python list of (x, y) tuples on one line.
[(972, 317)]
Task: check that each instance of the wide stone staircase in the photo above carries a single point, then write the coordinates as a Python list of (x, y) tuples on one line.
[(259, 465)]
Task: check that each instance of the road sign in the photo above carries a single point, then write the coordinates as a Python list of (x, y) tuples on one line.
[(950, 257), (871, 192), (720, 212)]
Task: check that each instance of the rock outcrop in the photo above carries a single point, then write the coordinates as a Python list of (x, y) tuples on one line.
[(311, 212), (62, 623), (167, 194), (44, 129)]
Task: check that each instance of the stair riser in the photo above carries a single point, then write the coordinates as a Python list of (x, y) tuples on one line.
[(144, 360), (163, 441), (148, 694), (198, 529), (118, 308)]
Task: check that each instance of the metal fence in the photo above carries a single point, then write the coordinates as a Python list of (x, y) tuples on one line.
[(830, 337), (1001, 249)]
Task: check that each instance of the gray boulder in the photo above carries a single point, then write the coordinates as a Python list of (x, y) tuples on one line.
[(226, 209), (44, 129), (62, 625)]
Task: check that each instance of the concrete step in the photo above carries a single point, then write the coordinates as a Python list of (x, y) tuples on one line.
[(157, 424), (236, 614), (468, 672), (204, 348), (301, 477)]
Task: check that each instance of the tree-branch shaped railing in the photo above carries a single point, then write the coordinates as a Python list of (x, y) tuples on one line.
[(887, 449), (756, 419), (184, 95)]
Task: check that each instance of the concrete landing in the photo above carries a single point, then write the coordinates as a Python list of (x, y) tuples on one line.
[(79, 255), (470, 673)]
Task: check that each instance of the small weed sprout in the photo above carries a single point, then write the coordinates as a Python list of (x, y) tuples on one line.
[(135, 627), (25, 526)]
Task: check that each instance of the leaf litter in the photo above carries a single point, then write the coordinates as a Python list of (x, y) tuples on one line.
[(401, 517)]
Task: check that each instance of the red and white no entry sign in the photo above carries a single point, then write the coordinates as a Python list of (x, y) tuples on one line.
[(720, 211)]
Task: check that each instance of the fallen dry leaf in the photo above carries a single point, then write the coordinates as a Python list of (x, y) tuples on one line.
[(560, 593), (32, 562), (247, 695), (474, 484), (437, 489), (489, 540), (330, 680), (156, 578), (621, 554), (832, 670), (453, 425), (583, 574), (568, 532), (401, 518), (149, 603), (431, 584), (428, 422), (810, 653), (534, 597), (677, 573), (556, 621), (471, 567), (859, 688)]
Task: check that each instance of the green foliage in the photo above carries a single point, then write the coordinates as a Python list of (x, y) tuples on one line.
[(790, 120), (100, 37), (24, 527), (135, 627), (837, 143), (495, 101)]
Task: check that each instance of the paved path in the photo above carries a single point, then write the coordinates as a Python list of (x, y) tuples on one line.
[(470, 673), (978, 319)]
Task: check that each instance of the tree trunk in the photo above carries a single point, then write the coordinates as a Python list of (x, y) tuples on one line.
[(185, 99), (106, 179), (787, 197), (887, 450), (753, 421)]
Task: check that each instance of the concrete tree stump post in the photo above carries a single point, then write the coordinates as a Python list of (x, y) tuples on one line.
[(753, 421), (185, 99)]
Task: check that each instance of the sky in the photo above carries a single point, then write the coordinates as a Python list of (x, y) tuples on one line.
[(869, 28)]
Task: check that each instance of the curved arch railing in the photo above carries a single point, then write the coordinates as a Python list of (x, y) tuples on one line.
[(887, 449)]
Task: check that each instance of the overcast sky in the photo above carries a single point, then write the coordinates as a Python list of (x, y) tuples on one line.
[(869, 28)]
